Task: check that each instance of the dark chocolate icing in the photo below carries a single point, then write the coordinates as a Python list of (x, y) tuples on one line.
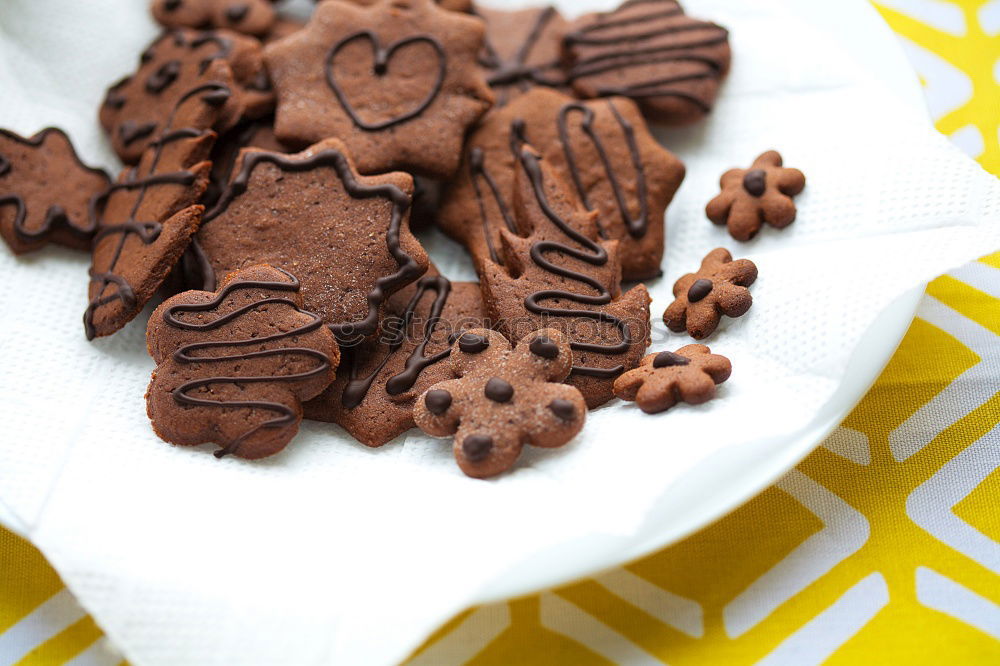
[(669, 358), (162, 78), (544, 347), (477, 168), (382, 56), (755, 182), (236, 13), (437, 401), (627, 50), (146, 231), (699, 289), (186, 354), (563, 409), (349, 332), (498, 390), (515, 72), (593, 254), (472, 343), (477, 447)]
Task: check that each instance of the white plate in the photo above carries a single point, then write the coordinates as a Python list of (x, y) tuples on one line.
[(310, 556)]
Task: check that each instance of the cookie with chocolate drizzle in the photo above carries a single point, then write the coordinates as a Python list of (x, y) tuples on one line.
[(234, 366), (379, 380), (651, 51), (557, 273), (136, 110), (252, 17), (397, 82), (345, 236), (601, 148), (45, 192)]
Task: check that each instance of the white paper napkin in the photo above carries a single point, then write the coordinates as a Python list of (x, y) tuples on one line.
[(335, 553)]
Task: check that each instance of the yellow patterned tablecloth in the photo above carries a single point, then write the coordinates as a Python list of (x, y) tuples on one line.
[(882, 547)]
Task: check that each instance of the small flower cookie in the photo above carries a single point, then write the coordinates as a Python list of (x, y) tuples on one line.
[(718, 288), (664, 379), (502, 399), (751, 197)]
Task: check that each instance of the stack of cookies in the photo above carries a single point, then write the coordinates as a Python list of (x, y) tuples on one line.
[(275, 169)]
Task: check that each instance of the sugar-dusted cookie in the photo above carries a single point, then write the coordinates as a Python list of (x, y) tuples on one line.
[(523, 49), (380, 379), (720, 287), (186, 78), (346, 237), (557, 273), (651, 51), (253, 17), (751, 197), (601, 148), (664, 379), (145, 221), (234, 366), (45, 192), (397, 82), (502, 399)]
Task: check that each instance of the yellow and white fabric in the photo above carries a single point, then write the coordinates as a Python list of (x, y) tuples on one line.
[(882, 547)]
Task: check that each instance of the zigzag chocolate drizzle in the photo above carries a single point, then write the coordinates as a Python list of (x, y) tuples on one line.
[(357, 388), (477, 169), (55, 215), (636, 226), (146, 231), (348, 332), (593, 254), (185, 354), (627, 51)]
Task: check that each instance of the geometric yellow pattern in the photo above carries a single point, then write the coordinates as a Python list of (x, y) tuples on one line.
[(882, 547)]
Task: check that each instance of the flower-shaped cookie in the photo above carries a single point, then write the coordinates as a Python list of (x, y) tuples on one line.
[(503, 399), (718, 288), (751, 197), (662, 380), (234, 366), (253, 17)]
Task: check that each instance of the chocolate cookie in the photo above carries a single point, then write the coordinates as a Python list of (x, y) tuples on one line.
[(464, 6), (145, 221), (258, 133), (718, 288), (380, 379), (522, 50), (503, 399), (557, 273), (651, 51), (345, 236), (601, 148), (45, 192), (233, 367), (253, 17), (397, 82), (202, 80), (664, 379), (751, 197)]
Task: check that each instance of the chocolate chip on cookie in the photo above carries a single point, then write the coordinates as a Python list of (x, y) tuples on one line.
[(379, 380), (502, 399), (45, 192), (253, 17), (718, 288), (751, 197), (345, 236), (601, 148), (234, 366), (666, 378), (556, 272), (397, 82), (651, 51)]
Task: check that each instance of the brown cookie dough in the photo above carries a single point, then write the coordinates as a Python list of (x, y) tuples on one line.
[(557, 273), (523, 49), (145, 220), (503, 399), (397, 82), (253, 17), (45, 192), (751, 197), (601, 148), (233, 367), (346, 237), (651, 51), (664, 379), (202, 80), (718, 288), (380, 379)]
